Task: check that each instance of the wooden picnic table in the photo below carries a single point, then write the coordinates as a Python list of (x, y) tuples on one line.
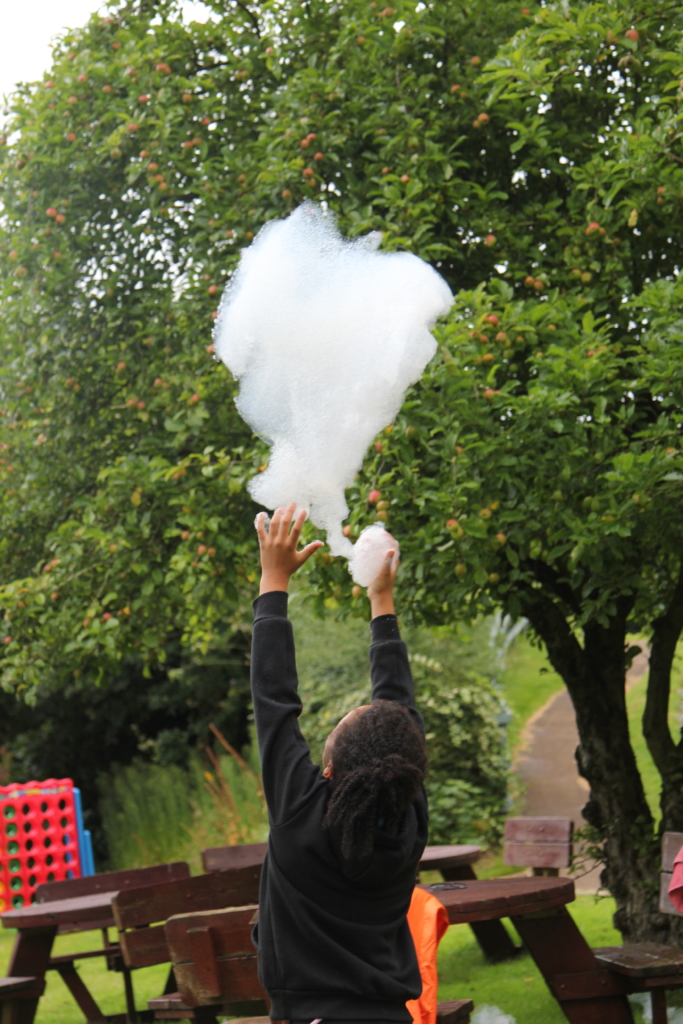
[(455, 864), (37, 925), (586, 992)]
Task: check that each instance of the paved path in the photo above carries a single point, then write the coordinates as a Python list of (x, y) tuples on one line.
[(547, 767)]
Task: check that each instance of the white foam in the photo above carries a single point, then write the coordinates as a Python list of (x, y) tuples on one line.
[(324, 335), (491, 1015), (368, 553)]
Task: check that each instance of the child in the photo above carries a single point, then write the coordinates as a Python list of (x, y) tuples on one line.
[(333, 940)]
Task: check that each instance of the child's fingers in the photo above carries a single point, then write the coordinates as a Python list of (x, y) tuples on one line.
[(275, 522), (285, 521), (309, 550), (388, 564), (260, 524), (298, 526)]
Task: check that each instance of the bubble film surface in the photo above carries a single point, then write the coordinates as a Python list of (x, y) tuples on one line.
[(324, 335)]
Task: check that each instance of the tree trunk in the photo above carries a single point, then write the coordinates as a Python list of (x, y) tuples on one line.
[(595, 678), (667, 754)]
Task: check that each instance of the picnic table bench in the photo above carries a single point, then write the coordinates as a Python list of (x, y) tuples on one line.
[(139, 914)]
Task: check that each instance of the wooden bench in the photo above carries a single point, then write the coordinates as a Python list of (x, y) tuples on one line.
[(141, 913), (542, 844), (14, 992), (107, 881), (649, 966), (216, 967)]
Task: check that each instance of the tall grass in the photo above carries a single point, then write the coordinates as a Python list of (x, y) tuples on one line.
[(153, 814)]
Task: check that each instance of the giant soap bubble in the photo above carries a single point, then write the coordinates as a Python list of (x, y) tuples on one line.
[(324, 335)]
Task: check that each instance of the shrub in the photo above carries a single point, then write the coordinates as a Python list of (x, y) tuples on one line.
[(456, 695), (153, 814)]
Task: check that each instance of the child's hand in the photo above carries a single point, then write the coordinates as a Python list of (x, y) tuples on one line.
[(381, 590), (279, 556)]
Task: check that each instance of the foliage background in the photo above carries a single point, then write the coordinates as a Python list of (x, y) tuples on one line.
[(458, 696)]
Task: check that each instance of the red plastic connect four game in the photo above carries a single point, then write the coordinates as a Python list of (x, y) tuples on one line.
[(39, 830)]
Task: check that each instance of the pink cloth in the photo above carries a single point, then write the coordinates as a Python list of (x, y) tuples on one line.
[(676, 883)]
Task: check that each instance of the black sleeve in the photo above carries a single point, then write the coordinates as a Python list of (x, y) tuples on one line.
[(288, 772), (389, 666)]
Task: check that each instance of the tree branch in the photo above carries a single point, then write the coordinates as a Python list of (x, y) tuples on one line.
[(564, 650), (252, 17), (547, 576), (666, 631)]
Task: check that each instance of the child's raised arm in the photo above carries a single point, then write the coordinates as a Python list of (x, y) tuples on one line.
[(389, 667), (288, 774)]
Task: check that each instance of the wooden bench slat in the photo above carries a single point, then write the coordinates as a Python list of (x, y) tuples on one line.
[(219, 858), (641, 959), (21, 988), (154, 903), (111, 881), (235, 975), (538, 830), (436, 858), (454, 1011), (538, 855), (231, 932), (171, 1001), (144, 947)]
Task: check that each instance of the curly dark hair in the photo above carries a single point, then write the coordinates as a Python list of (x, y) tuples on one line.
[(379, 765)]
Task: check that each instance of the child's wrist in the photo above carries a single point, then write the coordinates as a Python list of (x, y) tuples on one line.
[(273, 581), (382, 604)]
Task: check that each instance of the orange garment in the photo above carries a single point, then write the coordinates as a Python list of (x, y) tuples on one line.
[(428, 921), (676, 883)]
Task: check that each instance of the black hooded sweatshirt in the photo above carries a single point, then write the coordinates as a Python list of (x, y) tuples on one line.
[(332, 935)]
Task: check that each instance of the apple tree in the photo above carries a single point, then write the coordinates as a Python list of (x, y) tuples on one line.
[(534, 156), (536, 467)]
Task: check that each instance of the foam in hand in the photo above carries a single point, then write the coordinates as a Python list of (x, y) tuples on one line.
[(324, 335), (368, 553)]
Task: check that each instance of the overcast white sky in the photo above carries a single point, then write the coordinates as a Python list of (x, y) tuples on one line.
[(28, 26)]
